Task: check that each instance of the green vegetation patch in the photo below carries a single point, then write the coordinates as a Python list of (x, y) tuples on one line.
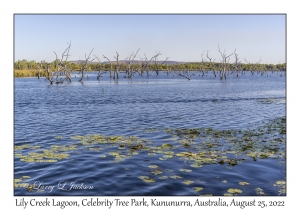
[(197, 189), (234, 191)]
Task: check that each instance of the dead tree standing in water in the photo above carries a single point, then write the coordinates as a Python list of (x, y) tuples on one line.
[(211, 64), (129, 60), (110, 70), (224, 64), (237, 67), (201, 64), (252, 67), (62, 67), (116, 72), (40, 68), (157, 65), (145, 65), (49, 75), (85, 65), (99, 71)]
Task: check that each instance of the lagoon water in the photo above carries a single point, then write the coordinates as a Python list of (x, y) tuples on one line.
[(144, 108)]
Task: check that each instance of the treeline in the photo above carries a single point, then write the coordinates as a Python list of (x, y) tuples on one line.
[(30, 68), (61, 70)]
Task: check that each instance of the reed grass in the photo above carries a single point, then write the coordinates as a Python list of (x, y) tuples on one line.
[(28, 73)]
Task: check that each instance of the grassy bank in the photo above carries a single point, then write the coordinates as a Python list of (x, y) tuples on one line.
[(28, 73)]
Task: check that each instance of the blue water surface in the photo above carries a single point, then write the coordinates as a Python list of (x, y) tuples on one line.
[(143, 107)]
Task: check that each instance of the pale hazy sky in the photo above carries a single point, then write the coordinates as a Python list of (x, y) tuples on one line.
[(180, 37)]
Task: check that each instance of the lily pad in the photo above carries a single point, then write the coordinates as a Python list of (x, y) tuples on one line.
[(156, 172), (282, 191), (280, 183), (243, 183), (148, 180), (197, 189), (196, 165), (188, 182), (18, 180), (176, 177), (259, 191), (167, 146), (234, 191)]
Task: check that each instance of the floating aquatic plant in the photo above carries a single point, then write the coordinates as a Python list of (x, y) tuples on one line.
[(19, 181), (197, 189), (259, 191), (243, 183), (149, 180), (167, 146), (146, 179), (175, 177), (282, 186), (156, 172), (196, 147), (234, 191), (188, 182)]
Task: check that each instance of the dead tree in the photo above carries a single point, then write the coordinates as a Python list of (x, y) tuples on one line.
[(167, 69), (99, 71), (116, 72), (201, 64), (129, 70), (85, 66), (182, 75), (40, 68), (145, 65), (62, 67), (155, 60), (48, 73), (237, 66), (252, 67), (110, 70), (224, 64), (158, 64), (262, 69), (211, 64)]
